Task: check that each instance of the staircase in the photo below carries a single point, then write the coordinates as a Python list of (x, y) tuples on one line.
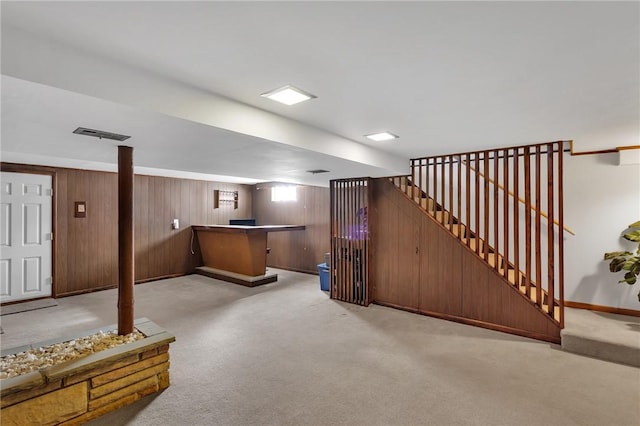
[(475, 237), (484, 251)]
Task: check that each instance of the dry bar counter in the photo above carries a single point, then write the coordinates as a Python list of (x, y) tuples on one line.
[(237, 253)]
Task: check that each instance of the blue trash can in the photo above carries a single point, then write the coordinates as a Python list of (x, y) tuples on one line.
[(323, 271)]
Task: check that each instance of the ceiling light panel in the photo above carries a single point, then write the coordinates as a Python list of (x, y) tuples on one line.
[(382, 136), (288, 95)]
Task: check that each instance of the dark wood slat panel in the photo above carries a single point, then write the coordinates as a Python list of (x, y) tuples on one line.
[(550, 231), (485, 169), (538, 229), (516, 211), (496, 208), (505, 209), (477, 202), (527, 219), (560, 231)]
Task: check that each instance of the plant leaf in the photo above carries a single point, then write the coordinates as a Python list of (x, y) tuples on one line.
[(635, 225), (614, 254), (629, 263), (616, 264), (633, 235), (629, 278)]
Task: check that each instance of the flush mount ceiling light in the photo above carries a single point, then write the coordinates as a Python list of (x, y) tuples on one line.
[(288, 95), (382, 136)]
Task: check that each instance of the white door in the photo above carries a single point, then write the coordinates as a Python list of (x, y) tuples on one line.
[(25, 236)]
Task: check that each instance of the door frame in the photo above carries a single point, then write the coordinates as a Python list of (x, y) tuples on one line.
[(41, 170)]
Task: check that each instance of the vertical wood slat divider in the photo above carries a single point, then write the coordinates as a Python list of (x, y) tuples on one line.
[(496, 210), (419, 182), (426, 183), (443, 204), (353, 241), (505, 213), (349, 269), (560, 233), (435, 185), (351, 263), (550, 231), (451, 193), (356, 244), (527, 218), (538, 280), (516, 215), (363, 262), (468, 197), (368, 288), (338, 242), (486, 204), (477, 203), (342, 239), (459, 185), (332, 227), (413, 180)]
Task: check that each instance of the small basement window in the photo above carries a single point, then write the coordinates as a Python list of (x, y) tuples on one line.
[(284, 193)]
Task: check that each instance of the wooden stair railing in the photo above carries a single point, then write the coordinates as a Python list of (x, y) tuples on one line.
[(462, 193)]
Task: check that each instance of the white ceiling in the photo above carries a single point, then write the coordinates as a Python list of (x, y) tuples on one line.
[(185, 78)]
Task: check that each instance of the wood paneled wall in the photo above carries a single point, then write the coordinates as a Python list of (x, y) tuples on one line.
[(296, 250), (86, 250), (418, 266)]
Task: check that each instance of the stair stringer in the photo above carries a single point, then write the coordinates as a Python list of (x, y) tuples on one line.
[(440, 276)]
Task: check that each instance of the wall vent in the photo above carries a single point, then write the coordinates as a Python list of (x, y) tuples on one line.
[(316, 171), (100, 134)]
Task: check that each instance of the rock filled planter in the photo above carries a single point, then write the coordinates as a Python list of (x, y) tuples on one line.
[(80, 390)]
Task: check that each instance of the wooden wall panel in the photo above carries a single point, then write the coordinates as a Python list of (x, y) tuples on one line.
[(453, 282), (295, 250), (86, 249), (440, 271)]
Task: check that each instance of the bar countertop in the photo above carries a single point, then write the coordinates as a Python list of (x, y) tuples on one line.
[(248, 229)]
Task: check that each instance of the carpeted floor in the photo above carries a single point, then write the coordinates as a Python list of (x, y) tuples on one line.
[(285, 354)]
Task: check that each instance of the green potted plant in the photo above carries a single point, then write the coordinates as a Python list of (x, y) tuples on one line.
[(625, 260)]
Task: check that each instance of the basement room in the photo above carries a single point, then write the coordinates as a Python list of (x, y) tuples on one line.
[(320, 213)]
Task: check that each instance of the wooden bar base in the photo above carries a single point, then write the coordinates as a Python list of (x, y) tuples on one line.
[(236, 278)]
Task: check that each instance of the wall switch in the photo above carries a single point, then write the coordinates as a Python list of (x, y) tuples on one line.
[(175, 224)]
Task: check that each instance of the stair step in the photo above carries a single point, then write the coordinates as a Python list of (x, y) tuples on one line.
[(492, 258), (456, 229), (473, 243), (425, 203), (438, 215)]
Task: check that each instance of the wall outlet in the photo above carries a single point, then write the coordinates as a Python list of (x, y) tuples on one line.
[(175, 224)]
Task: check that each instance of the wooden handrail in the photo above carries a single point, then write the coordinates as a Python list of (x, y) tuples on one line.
[(543, 214)]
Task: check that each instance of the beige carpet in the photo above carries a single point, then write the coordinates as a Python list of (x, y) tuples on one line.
[(285, 354)]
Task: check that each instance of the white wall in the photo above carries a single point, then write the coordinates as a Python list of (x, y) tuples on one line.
[(601, 199)]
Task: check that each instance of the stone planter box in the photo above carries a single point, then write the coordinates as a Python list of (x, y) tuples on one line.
[(77, 391)]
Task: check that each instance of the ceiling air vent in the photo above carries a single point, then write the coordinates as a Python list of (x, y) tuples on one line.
[(100, 134), (316, 171)]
